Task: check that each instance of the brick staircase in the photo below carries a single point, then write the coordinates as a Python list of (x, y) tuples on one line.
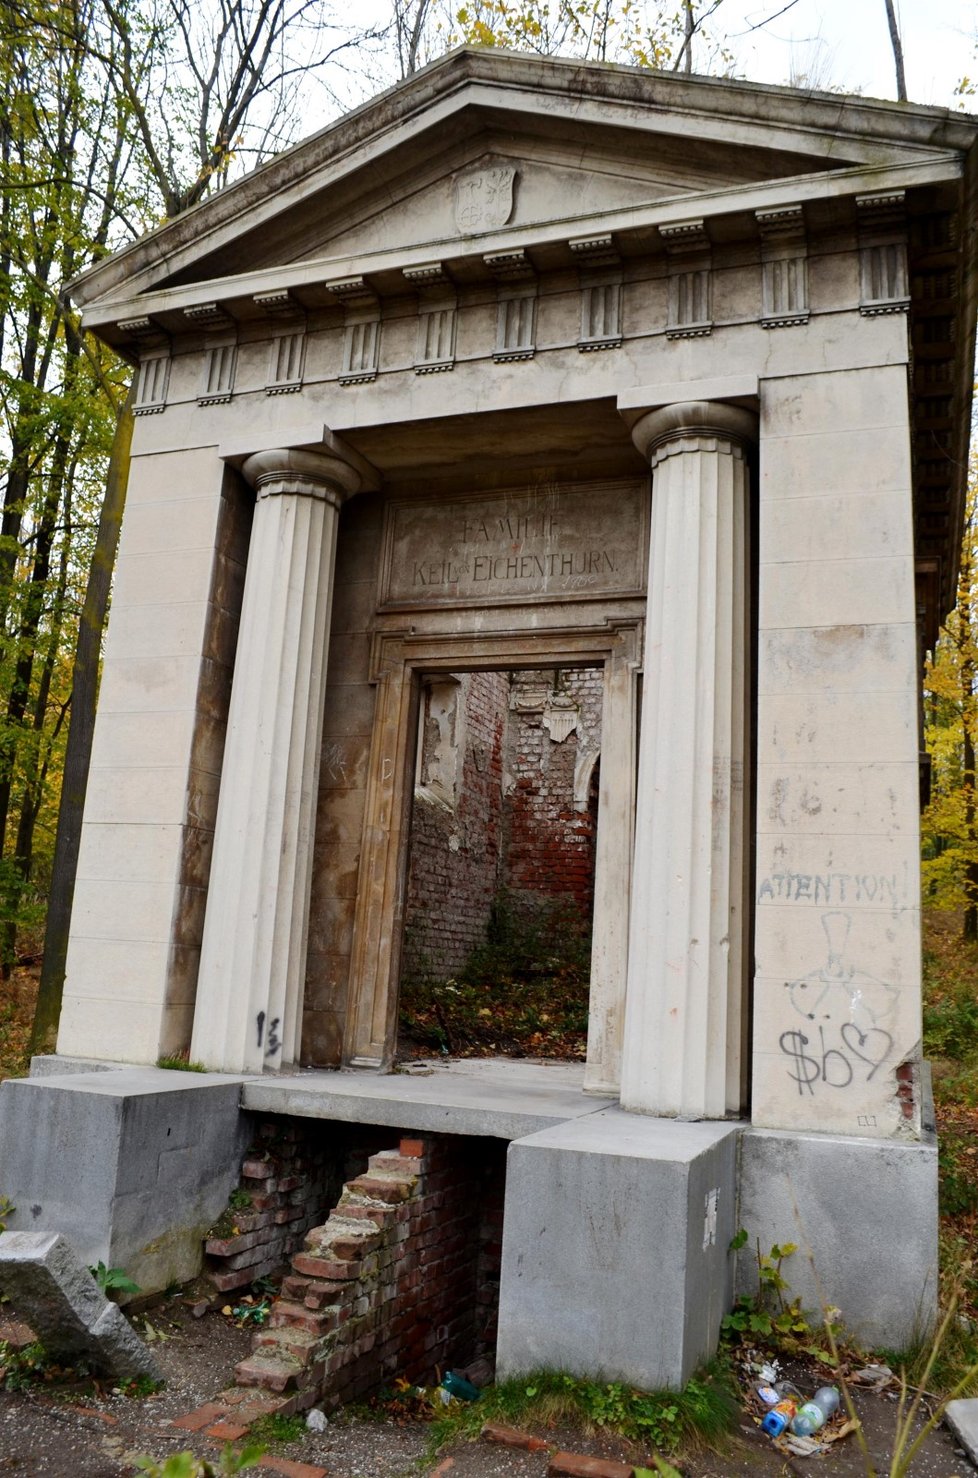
[(381, 1289)]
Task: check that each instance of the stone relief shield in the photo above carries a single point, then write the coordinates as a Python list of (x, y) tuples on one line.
[(484, 199)]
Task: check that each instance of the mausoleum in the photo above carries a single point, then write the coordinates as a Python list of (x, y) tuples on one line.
[(534, 367)]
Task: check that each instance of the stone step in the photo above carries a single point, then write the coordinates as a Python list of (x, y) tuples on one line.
[(298, 1344), (287, 1315), (390, 1189), (323, 1295), (340, 1243), (278, 1372)]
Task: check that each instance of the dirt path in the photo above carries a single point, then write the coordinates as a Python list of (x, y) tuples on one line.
[(79, 1432)]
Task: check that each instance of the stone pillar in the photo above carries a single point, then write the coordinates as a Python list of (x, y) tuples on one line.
[(684, 1011), (249, 993)]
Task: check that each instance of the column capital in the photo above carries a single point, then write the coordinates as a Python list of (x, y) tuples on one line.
[(694, 418), (322, 475)]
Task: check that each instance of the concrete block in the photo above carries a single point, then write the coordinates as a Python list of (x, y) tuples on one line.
[(70, 1315), (962, 1418), (822, 1191), (614, 1202), (132, 1167), (53, 1065)]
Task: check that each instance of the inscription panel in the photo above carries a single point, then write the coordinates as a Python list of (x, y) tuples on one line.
[(537, 544)]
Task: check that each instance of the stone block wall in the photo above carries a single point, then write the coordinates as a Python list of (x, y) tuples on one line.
[(400, 1281), (292, 1175), (456, 832)]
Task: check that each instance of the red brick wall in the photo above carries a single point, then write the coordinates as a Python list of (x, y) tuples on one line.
[(549, 844), (401, 1281), (293, 1175), (454, 856)]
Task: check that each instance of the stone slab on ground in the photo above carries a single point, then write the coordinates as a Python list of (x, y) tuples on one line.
[(70, 1315), (962, 1418), (610, 1201)]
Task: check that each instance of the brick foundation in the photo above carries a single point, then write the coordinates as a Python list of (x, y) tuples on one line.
[(400, 1281), (293, 1174)]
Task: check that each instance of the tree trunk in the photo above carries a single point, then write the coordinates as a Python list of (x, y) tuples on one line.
[(970, 930), (901, 80), (78, 753)]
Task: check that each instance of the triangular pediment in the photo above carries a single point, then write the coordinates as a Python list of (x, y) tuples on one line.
[(559, 145), (543, 175)]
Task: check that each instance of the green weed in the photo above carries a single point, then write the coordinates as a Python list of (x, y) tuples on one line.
[(139, 1388), (772, 1314), (702, 1413), (187, 1465), (275, 1428), (177, 1062), (22, 1369), (113, 1280)]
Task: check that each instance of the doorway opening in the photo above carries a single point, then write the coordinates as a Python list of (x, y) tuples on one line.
[(499, 890)]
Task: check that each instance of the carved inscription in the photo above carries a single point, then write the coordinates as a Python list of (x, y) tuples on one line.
[(546, 543)]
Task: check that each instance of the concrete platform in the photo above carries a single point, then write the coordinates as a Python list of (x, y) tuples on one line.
[(502, 1098)]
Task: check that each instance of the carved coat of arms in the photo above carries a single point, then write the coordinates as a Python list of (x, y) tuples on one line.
[(484, 198)]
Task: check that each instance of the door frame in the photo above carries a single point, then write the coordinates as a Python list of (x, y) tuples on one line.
[(398, 660)]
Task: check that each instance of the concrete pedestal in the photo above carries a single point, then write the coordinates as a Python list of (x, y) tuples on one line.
[(131, 1167), (615, 1248), (864, 1217)]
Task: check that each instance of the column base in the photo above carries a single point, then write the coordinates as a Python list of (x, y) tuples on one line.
[(841, 1198), (615, 1248)]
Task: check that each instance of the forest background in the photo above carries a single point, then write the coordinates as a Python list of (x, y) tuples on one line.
[(118, 114)]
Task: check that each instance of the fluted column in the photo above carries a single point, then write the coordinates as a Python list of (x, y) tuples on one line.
[(683, 1006), (248, 1013)]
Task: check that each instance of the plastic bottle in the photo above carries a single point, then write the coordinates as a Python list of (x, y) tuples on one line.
[(828, 1399), (458, 1386), (807, 1419), (779, 1416), (814, 1414)]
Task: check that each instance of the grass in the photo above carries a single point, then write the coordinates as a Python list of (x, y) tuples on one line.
[(951, 1045), (702, 1415), (278, 1430)]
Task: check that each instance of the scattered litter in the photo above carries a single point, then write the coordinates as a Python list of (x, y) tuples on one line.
[(801, 1446), (316, 1420), (791, 1419), (876, 1376), (456, 1385)]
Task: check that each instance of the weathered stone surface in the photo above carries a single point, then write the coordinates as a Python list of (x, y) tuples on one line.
[(132, 1166), (72, 1318), (962, 1418), (608, 1201), (819, 1190)]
